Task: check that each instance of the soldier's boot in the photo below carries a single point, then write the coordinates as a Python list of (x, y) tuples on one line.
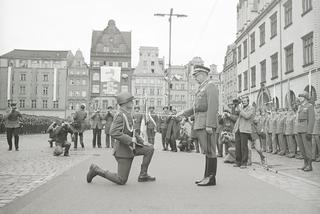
[(95, 170), (16, 142), (305, 163), (197, 146), (205, 171), (66, 150), (75, 142), (81, 140), (210, 180), (144, 177), (308, 168)]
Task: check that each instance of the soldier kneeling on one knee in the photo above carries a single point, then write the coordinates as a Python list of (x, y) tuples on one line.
[(61, 133)]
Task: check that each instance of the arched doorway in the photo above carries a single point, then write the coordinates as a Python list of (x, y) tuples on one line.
[(263, 98), (313, 94), (275, 102), (290, 100)]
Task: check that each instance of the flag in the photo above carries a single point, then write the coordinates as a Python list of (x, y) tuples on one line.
[(55, 72), (9, 83)]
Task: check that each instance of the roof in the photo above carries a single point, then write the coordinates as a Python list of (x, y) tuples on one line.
[(37, 54)]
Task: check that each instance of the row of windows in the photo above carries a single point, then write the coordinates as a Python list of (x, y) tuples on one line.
[(36, 64), (22, 104), (77, 82), (307, 41), (153, 80), (151, 102), (22, 90), (178, 98), (72, 72), (77, 93), (143, 91), (149, 54), (307, 6), (23, 77), (114, 64)]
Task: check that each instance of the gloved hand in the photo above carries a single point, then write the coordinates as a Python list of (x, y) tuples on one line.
[(309, 137)]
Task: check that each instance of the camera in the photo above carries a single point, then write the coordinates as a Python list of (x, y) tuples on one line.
[(236, 102)]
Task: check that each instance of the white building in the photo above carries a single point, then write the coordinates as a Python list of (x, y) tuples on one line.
[(278, 52), (148, 79)]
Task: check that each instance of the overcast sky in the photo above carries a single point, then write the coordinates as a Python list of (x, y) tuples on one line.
[(68, 24)]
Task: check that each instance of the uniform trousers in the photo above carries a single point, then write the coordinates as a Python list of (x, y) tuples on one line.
[(306, 145), (124, 165), (282, 143), (315, 146), (275, 143), (96, 137), (151, 135), (10, 133), (207, 142), (109, 141), (163, 138), (241, 140), (292, 144), (269, 141), (76, 139)]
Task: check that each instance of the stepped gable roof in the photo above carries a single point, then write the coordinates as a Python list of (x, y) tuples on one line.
[(37, 54)]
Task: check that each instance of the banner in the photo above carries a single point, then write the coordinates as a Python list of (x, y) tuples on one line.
[(55, 73), (110, 73), (9, 83)]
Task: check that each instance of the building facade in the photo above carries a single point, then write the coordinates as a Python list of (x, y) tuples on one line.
[(110, 54), (179, 87), (148, 81), (35, 80), (78, 83), (278, 51), (229, 77)]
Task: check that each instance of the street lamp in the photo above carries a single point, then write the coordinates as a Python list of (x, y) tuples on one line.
[(170, 22)]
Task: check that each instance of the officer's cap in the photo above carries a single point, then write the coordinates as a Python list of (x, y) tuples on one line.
[(304, 94), (13, 104), (200, 68), (124, 97), (110, 107), (83, 106)]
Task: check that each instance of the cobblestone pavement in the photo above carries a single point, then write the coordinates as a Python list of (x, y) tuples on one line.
[(23, 171), (284, 174)]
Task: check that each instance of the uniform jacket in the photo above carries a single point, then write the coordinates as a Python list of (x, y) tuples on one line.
[(273, 123), (316, 128), (96, 121), (79, 120), (306, 117), (280, 124), (295, 123), (163, 122), (289, 124), (245, 120), (12, 119), (150, 124), (137, 117), (108, 118), (205, 106), (120, 131), (61, 133), (266, 123), (173, 128)]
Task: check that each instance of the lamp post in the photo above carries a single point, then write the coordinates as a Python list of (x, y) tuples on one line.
[(171, 14)]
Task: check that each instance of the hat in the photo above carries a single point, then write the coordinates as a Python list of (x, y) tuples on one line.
[(304, 94), (124, 97), (165, 107), (200, 68), (83, 106), (137, 107), (151, 107), (13, 105), (110, 107)]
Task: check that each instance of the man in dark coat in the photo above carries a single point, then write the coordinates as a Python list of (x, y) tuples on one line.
[(205, 109), (151, 123), (137, 118), (61, 133), (108, 118), (163, 126), (96, 126), (127, 146), (79, 125), (12, 124), (173, 130)]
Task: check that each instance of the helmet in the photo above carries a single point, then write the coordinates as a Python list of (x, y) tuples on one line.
[(124, 97)]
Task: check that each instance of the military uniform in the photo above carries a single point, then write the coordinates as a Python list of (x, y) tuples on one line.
[(268, 132), (306, 117), (274, 133), (12, 124), (61, 133), (109, 140), (163, 126), (316, 135), (289, 134), (79, 125), (205, 112), (137, 117), (96, 126), (280, 134), (151, 123), (125, 149)]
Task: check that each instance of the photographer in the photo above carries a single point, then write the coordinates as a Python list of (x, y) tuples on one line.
[(61, 133), (13, 124), (242, 130)]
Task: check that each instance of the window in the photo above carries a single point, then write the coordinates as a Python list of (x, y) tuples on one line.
[(289, 58), (71, 82), (182, 86), (308, 49), (253, 42), (273, 24), (45, 90), (55, 104), (152, 70), (151, 91), (44, 103), (22, 103), (22, 77), (95, 77), (287, 14), (245, 79), (239, 83), (96, 64), (159, 102), (45, 78), (263, 71), (151, 102), (274, 66), (239, 53), (158, 91), (22, 89), (182, 97), (84, 82), (176, 97), (245, 49), (83, 93), (152, 63), (253, 76), (306, 6), (33, 103)]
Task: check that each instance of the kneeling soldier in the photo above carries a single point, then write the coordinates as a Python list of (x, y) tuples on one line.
[(127, 146), (61, 133)]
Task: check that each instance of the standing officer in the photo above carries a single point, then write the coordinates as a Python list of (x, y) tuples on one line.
[(108, 118), (96, 126), (280, 132), (12, 124), (79, 125), (163, 125), (151, 122), (316, 134), (289, 132), (306, 118), (137, 118), (205, 111), (269, 131), (126, 147), (273, 121)]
